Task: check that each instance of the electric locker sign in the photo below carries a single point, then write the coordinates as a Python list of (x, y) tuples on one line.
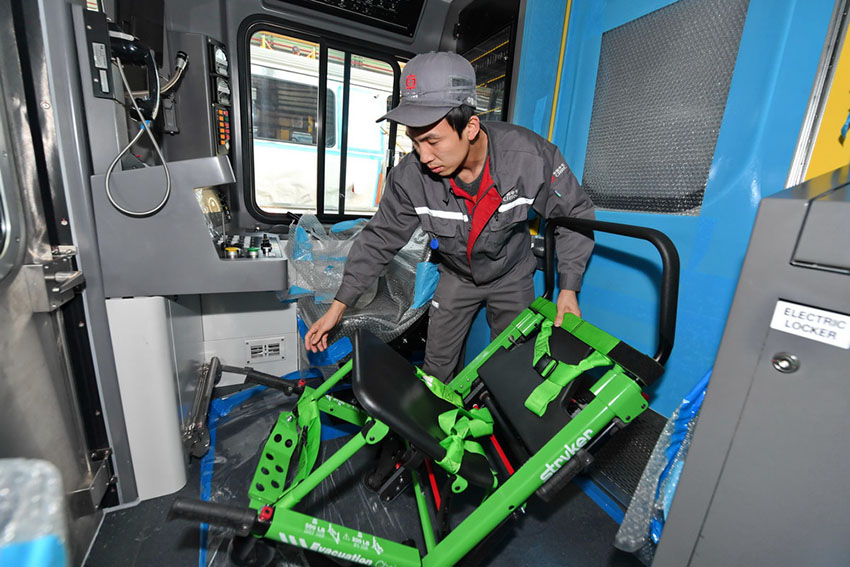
[(812, 323)]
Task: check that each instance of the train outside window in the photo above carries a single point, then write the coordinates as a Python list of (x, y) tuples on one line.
[(285, 79)]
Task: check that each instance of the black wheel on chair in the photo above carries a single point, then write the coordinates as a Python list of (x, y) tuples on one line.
[(249, 551)]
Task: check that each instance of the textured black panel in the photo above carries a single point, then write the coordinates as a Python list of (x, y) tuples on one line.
[(397, 16), (619, 464), (637, 363), (661, 89), (511, 378)]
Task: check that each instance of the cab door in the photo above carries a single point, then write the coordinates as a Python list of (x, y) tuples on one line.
[(51, 410), (679, 116)]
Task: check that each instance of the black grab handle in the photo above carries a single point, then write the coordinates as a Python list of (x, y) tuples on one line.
[(669, 275), (243, 521)]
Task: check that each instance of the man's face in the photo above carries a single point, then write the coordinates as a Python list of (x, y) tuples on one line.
[(440, 148)]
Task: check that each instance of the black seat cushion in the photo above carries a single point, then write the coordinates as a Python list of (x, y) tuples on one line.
[(510, 377), (387, 387)]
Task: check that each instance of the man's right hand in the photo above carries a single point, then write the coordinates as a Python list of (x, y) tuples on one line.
[(316, 339)]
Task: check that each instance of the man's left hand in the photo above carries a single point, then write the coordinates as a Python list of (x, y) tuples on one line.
[(567, 303)]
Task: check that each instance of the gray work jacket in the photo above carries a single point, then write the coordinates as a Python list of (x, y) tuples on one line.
[(528, 172)]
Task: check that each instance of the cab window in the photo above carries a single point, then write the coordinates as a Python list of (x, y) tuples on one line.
[(315, 144)]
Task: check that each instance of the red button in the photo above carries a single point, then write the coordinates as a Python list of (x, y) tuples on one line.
[(266, 513)]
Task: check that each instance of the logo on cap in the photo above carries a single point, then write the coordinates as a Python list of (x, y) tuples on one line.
[(410, 82)]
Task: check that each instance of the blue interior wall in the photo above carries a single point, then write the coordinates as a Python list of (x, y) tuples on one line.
[(777, 60)]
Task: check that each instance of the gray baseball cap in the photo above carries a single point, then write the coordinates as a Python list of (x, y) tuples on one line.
[(431, 85)]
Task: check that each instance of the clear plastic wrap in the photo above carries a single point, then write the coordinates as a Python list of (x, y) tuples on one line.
[(643, 523), (634, 531), (342, 498), (239, 435), (316, 262), (32, 514), (669, 482), (316, 259)]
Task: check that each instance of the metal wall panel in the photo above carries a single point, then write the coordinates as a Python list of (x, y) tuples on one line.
[(765, 479), (41, 417)]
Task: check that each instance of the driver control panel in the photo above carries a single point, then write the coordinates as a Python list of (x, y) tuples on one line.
[(249, 246), (219, 70)]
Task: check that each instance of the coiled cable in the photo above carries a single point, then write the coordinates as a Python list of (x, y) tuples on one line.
[(144, 128)]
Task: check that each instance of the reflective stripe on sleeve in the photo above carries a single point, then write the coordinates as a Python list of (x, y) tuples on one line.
[(451, 215), (516, 203)]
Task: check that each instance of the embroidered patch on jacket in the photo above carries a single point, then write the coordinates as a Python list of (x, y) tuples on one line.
[(510, 196), (561, 169)]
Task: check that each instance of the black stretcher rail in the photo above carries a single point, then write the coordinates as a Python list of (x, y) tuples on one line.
[(669, 276)]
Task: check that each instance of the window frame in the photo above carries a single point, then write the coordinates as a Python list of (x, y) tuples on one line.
[(12, 224), (326, 41)]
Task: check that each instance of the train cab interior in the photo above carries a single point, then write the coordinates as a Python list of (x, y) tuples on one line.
[(181, 182)]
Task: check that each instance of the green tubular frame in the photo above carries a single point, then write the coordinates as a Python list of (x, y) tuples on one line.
[(275, 462), (617, 395)]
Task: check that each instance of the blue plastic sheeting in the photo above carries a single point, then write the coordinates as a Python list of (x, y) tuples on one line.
[(294, 293), (218, 408), (669, 479), (346, 225), (601, 498), (46, 551), (333, 354), (427, 278), (302, 250)]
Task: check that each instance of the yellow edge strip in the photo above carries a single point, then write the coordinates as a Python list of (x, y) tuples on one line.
[(829, 152), (489, 52), (560, 68), (484, 84)]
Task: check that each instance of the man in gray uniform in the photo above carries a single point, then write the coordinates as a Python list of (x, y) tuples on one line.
[(472, 186)]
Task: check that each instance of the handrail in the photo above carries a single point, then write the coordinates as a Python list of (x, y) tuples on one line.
[(669, 275)]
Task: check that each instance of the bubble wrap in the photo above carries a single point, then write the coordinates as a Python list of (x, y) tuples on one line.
[(668, 485), (31, 501), (316, 259), (634, 531), (385, 309), (661, 89)]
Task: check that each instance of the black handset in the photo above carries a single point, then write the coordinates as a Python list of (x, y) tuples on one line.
[(131, 51)]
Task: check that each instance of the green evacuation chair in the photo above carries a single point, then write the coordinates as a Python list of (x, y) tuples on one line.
[(523, 418)]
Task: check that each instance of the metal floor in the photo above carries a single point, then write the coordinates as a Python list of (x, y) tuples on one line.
[(572, 530)]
